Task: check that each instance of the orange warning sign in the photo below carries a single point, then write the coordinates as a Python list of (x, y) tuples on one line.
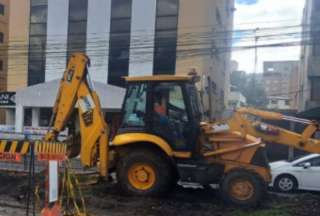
[(12, 157), (50, 156)]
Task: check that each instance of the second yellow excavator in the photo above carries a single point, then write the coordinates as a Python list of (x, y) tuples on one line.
[(162, 139)]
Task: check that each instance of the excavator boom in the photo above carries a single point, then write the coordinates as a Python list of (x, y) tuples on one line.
[(75, 90), (242, 121)]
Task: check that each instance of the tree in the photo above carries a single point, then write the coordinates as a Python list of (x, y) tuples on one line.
[(255, 93), (249, 87)]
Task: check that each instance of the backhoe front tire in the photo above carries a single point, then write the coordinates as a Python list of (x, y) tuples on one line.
[(242, 188), (144, 172)]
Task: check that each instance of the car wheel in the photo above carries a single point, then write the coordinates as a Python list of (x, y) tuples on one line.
[(286, 183)]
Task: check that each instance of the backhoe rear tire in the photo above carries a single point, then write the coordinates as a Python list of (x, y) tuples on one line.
[(242, 188), (144, 172)]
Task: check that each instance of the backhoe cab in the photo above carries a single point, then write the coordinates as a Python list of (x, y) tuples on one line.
[(165, 107)]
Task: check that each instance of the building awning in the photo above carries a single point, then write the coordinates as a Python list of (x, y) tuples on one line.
[(44, 95)]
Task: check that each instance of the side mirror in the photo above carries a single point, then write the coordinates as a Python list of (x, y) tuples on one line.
[(306, 165)]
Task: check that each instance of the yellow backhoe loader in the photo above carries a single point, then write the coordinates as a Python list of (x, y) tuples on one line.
[(162, 140)]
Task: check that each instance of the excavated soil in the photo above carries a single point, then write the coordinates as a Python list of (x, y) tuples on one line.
[(105, 200)]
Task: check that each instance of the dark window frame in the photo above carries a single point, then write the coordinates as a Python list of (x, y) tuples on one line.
[(315, 88), (37, 42), (1, 65), (2, 9), (38, 18), (1, 37), (165, 42), (119, 43), (77, 13), (77, 26)]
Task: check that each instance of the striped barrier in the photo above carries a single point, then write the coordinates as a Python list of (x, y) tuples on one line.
[(13, 150)]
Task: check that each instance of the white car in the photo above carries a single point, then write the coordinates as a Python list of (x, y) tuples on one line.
[(303, 174)]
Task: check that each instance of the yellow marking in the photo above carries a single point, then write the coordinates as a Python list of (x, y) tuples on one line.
[(13, 146), (158, 78), (46, 147), (25, 147), (3, 145), (38, 146), (182, 154)]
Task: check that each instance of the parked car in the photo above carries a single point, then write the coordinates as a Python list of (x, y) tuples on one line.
[(302, 174)]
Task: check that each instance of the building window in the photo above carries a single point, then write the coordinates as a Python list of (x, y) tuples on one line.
[(166, 37), (218, 16), (77, 30), (1, 37), (119, 44), (38, 13), (45, 115), (37, 41), (227, 7), (316, 49), (1, 65), (315, 88), (27, 121), (287, 102), (2, 8), (315, 45)]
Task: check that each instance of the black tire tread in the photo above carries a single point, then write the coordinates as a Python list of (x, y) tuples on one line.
[(258, 182), (158, 161)]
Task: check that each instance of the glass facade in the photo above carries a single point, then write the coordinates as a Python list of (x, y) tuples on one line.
[(166, 37), (77, 30), (37, 41), (119, 44), (165, 41)]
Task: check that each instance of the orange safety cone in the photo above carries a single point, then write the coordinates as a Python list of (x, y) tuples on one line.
[(54, 211)]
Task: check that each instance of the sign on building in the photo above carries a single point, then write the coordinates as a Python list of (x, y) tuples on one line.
[(7, 99)]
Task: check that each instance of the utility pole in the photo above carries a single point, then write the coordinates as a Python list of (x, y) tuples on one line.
[(256, 38)]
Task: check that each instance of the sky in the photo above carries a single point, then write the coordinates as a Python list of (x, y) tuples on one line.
[(262, 14)]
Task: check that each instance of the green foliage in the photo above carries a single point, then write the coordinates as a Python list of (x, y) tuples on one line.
[(250, 88)]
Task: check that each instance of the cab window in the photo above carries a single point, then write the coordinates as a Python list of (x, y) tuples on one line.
[(135, 106), (170, 117)]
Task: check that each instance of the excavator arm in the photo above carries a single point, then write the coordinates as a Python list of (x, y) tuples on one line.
[(75, 90), (244, 120)]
